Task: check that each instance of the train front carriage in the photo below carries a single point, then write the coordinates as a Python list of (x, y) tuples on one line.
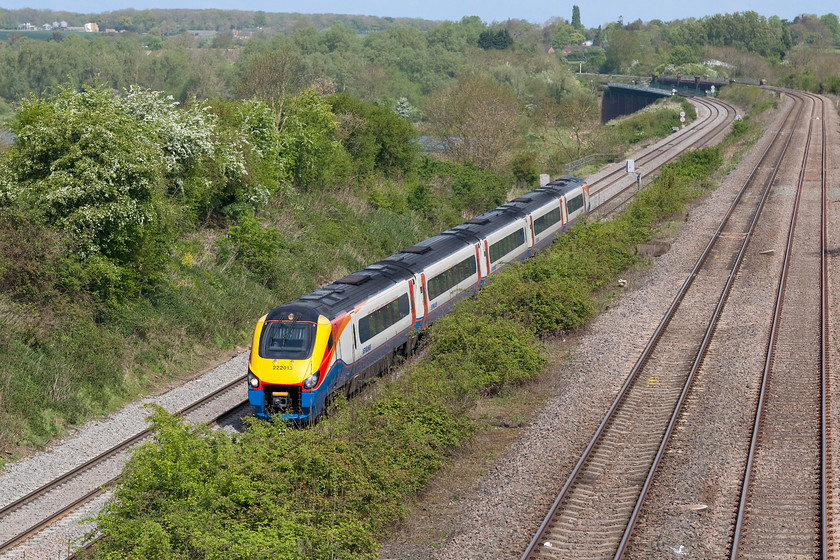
[(291, 352)]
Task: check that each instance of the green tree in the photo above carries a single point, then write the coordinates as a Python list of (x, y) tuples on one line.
[(832, 24), (223, 41), (499, 39), (561, 39), (682, 54), (376, 137), (308, 145), (271, 75), (578, 114), (477, 120), (576, 18), (566, 35), (621, 48)]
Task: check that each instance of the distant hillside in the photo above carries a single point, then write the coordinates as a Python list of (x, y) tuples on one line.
[(169, 22)]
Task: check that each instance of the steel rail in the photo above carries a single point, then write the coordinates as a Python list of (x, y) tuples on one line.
[(653, 340), (695, 367), (824, 364), (704, 138), (89, 464), (771, 345), (657, 151)]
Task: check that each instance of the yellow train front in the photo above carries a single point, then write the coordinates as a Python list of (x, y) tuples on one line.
[(291, 353)]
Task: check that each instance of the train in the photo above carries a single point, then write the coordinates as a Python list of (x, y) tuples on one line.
[(335, 339)]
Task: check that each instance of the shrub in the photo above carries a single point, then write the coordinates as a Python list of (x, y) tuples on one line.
[(473, 189), (82, 164), (525, 170), (308, 145), (377, 138), (258, 248)]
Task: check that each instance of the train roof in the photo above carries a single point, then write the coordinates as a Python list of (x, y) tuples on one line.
[(481, 226), (563, 185), (532, 201), (418, 257), (344, 294)]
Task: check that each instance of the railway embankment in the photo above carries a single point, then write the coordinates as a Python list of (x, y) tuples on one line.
[(420, 431)]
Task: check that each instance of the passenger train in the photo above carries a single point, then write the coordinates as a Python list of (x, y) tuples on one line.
[(341, 335)]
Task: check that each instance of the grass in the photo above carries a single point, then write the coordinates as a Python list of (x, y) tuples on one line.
[(654, 121)]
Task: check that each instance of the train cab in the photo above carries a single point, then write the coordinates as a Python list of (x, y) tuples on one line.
[(291, 352)]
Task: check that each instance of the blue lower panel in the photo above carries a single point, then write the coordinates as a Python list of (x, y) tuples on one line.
[(257, 399)]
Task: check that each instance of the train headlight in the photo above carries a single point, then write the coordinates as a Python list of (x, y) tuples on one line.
[(253, 380), (310, 381)]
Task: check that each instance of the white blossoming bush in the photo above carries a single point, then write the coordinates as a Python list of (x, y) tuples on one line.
[(121, 176), (186, 134), (84, 165), (248, 157)]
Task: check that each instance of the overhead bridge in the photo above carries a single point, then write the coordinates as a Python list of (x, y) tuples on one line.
[(624, 99), (693, 84)]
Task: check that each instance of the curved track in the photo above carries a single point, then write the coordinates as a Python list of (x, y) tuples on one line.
[(613, 190)]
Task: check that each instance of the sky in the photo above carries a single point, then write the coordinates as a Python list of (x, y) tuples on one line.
[(593, 12)]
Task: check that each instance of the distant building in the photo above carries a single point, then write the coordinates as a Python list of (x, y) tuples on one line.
[(570, 49), (26, 27), (91, 28), (247, 33)]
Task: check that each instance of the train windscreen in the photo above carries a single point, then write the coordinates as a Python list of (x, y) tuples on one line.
[(283, 340)]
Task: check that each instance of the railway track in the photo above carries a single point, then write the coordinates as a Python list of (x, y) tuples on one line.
[(612, 191), (783, 505), (594, 514), (32, 512)]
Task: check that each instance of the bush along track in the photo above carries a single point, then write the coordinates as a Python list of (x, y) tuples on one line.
[(331, 491)]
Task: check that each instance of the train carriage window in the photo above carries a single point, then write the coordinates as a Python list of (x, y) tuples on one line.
[(383, 318), (282, 340), (504, 246), (574, 204), (547, 220), (451, 277)]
